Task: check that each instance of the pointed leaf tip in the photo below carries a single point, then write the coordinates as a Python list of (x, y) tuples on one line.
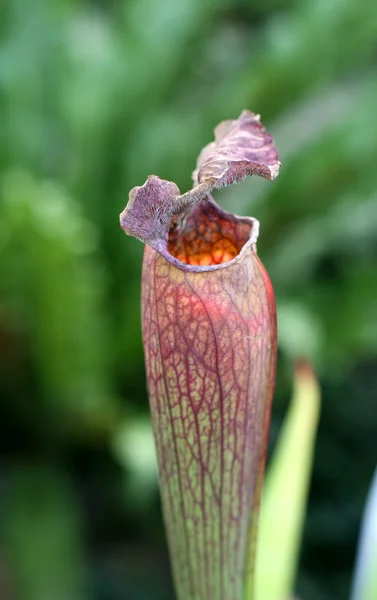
[(304, 372)]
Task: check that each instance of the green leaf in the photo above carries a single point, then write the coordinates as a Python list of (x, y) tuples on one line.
[(285, 493), (365, 580)]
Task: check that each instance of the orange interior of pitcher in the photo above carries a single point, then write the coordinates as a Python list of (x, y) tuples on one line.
[(206, 236)]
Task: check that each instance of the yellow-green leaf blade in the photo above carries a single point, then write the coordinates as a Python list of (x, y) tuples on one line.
[(285, 492)]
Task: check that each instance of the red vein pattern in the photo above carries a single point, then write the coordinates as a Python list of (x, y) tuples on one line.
[(210, 351), (209, 328)]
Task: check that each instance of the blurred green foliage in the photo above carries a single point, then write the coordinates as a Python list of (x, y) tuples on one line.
[(94, 96)]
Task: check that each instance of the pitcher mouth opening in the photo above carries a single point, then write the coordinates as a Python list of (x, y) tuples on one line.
[(209, 237)]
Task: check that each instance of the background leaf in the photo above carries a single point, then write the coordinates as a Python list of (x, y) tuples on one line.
[(365, 578), (285, 492)]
